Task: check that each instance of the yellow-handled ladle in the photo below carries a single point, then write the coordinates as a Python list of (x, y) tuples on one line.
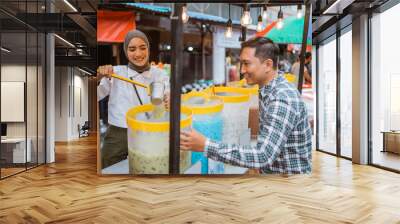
[(155, 90), (132, 81)]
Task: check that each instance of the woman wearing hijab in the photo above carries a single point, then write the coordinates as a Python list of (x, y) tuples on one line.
[(123, 95)]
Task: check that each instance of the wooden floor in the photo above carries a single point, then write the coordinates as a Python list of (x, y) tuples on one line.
[(69, 191), (5, 172)]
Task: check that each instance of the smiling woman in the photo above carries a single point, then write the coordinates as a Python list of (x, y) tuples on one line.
[(137, 48), (123, 95)]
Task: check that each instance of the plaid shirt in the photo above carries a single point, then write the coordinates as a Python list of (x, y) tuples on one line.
[(284, 140)]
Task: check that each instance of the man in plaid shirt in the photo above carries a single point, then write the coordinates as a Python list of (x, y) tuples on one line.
[(284, 141)]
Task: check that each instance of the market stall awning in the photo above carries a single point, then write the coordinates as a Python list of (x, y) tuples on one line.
[(290, 33), (151, 8), (112, 26), (167, 11)]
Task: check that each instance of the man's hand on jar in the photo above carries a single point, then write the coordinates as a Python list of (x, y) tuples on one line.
[(192, 141)]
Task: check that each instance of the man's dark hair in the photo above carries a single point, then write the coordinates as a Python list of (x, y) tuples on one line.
[(265, 49), (308, 55)]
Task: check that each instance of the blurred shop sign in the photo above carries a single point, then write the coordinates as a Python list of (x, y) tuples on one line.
[(112, 26), (222, 41)]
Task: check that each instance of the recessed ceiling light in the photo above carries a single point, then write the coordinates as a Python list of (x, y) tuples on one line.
[(84, 71), (70, 5), (5, 50), (337, 7), (65, 41)]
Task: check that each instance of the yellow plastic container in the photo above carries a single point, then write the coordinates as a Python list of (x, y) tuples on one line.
[(253, 123), (207, 119), (235, 114), (290, 77), (202, 108), (254, 113), (239, 83), (148, 141), (251, 90)]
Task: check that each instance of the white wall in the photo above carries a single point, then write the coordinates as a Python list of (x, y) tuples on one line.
[(80, 115), (10, 73), (62, 80), (71, 94), (16, 73), (33, 126)]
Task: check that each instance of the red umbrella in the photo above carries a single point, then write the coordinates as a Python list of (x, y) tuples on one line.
[(266, 30)]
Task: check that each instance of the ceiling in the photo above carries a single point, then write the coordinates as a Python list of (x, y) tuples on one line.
[(39, 6), (22, 20), (327, 18), (79, 27)]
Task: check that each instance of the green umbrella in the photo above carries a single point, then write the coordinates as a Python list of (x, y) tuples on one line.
[(290, 33)]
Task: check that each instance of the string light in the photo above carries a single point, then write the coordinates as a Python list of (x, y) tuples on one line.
[(228, 32), (299, 11), (264, 13), (185, 16), (260, 23), (246, 18), (279, 24)]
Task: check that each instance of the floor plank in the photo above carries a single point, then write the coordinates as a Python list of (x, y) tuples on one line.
[(69, 191)]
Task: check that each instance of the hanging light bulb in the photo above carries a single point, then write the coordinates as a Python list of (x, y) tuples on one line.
[(259, 24), (228, 32), (264, 13), (185, 15), (299, 11), (279, 24), (246, 18)]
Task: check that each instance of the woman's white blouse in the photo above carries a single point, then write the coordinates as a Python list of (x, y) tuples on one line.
[(122, 94)]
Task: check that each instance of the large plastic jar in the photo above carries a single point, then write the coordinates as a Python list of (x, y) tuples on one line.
[(235, 114), (148, 141), (254, 104), (207, 120), (239, 83), (254, 109)]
